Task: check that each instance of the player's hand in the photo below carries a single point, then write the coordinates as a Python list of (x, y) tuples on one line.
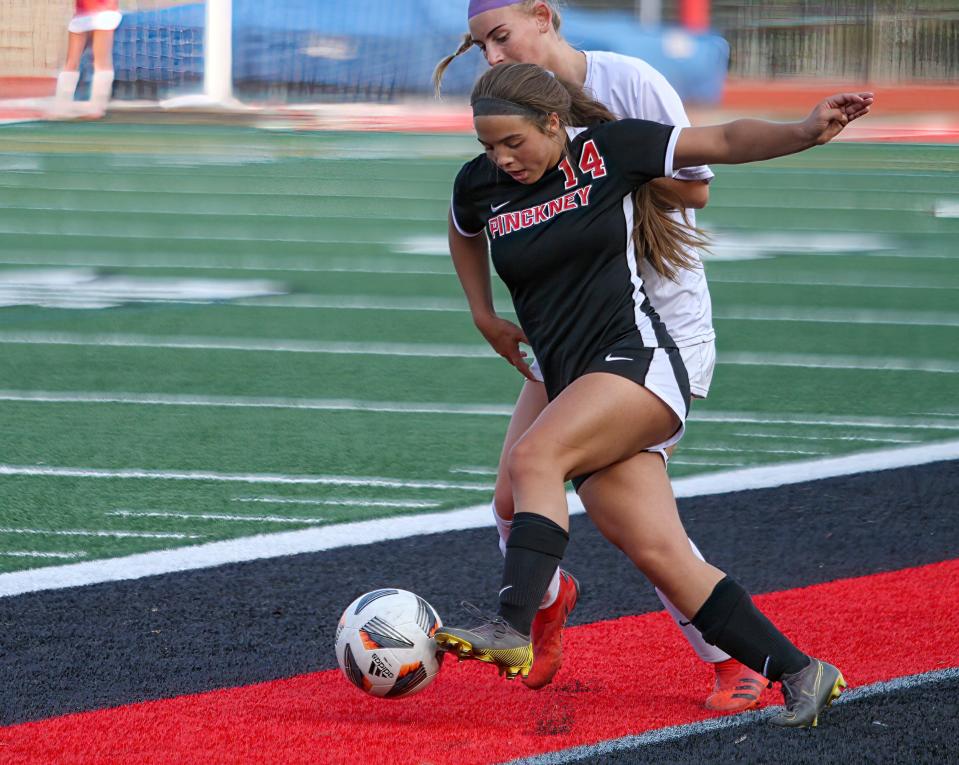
[(505, 337), (832, 114)]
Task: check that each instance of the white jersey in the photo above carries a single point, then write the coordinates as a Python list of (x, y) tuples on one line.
[(629, 87)]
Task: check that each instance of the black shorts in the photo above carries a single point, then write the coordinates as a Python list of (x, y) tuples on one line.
[(660, 370)]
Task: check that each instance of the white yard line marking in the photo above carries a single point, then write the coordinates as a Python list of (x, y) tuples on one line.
[(830, 316), (242, 402), (826, 361), (677, 732), (830, 438), (357, 303), (250, 344), (852, 283), (947, 208), (684, 460), (214, 517), (354, 266), (468, 470), (98, 533), (429, 350), (793, 419), (422, 504), (35, 554), (476, 516), (732, 450), (431, 407), (267, 478)]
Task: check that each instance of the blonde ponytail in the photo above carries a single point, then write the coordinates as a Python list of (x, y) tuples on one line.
[(440, 70)]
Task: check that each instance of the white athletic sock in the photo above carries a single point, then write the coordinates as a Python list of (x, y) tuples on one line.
[(101, 89), (67, 86), (706, 652), (552, 592), (503, 526)]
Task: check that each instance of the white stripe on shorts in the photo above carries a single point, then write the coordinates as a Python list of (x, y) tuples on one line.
[(661, 382)]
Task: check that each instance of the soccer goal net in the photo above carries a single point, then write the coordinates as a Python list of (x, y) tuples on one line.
[(288, 50)]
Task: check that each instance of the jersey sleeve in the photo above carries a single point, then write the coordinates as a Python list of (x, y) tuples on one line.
[(638, 150), (464, 208), (659, 101)]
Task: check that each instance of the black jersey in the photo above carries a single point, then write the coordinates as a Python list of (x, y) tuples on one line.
[(564, 246)]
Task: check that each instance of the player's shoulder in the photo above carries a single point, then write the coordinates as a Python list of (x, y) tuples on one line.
[(475, 174), (616, 67)]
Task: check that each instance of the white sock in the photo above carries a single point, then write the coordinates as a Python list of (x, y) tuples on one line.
[(706, 652), (67, 85), (503, 526), (101, 89), (552, 592)]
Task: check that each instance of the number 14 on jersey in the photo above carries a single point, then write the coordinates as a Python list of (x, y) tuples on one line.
[(590, 161)]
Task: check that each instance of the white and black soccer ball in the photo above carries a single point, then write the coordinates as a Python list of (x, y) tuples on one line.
[(385, 645)]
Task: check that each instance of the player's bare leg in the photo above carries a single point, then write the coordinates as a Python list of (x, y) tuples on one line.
[(736, 687), (598, 421)]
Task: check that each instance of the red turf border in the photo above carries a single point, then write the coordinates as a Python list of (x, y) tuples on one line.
[(622, 677)]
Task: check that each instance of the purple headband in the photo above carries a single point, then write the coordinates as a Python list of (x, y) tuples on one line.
[(481, 6)]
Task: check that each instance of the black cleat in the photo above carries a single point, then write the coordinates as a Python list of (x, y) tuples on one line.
[(807, 693)]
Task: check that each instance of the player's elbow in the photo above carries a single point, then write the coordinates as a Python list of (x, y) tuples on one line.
[(697, 195)]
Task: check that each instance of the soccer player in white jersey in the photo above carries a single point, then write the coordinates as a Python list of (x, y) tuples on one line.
[(511, 32), (552, 196), (94, 21)]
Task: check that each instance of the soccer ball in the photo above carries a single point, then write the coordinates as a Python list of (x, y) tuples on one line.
[(385, 645)]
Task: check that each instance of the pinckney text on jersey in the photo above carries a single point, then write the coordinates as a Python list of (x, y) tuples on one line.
[(507, 223)]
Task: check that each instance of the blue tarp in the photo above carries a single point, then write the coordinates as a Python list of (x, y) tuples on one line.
[(378, 48)]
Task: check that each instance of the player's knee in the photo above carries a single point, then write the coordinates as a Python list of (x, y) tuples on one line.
[(656, 556), (529, 460)]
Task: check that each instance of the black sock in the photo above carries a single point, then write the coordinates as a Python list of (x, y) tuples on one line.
[(729, 620), (533, 551)]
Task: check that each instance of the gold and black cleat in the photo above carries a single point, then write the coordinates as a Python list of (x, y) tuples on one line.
[(493, 641), (807, 693)]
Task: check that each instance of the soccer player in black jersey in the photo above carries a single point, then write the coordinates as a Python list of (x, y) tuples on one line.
[(555, 205)]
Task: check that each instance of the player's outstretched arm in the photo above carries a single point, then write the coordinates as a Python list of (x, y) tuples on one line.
[(471, 261), (753, 140)]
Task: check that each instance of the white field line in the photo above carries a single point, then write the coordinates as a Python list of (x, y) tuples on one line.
[(864, 439), (241, 402), (476, 516), (99, 533), (200, 214), (354, 266), (429, 350), (828, 316), (255, 478), (468, 470), (35, 554), (483, 410), (732, 450), (827, 361), (684, 460), (853, 283), (256, 345), (421, 504), (678, 732), (214, 517), (357, 303)]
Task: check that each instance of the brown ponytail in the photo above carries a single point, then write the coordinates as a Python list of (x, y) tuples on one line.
[(666, 242)]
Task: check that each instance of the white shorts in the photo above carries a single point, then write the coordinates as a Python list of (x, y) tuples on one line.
[(104, 21), (700, 361)]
